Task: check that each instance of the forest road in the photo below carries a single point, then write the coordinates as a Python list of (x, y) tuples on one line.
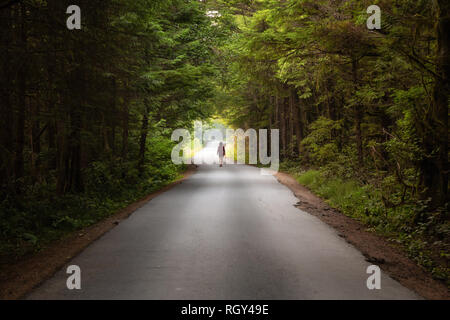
[(225, 233)]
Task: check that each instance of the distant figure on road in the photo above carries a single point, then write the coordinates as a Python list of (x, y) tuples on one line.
[(221, 153)]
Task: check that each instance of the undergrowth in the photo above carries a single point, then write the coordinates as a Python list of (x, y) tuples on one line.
[(426, 241), (36, 217)]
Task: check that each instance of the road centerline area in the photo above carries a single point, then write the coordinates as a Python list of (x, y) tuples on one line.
[(224, 233)]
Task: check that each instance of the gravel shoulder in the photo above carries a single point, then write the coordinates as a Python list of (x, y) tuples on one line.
[(376, 249)]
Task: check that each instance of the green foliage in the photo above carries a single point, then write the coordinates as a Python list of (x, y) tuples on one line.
[(360, 105), (87, 115), (321, 143), (106, 99), (28, 224), (365, 203)]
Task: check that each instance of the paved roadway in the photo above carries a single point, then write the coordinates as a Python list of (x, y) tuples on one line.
[(225, 233)]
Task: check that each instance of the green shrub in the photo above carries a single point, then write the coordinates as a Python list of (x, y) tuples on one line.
[(37, 217), (365, 203)]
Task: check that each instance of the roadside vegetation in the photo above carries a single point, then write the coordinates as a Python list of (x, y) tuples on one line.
[(362, 114), (426, 243), (39, 217), (87, 115)]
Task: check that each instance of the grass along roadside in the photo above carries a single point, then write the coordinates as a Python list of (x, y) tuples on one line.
[(364, 203)]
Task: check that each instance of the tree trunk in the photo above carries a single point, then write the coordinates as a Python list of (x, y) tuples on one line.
[(35, 142), (358, 115), (143, 139), (282, 119), (20, 127), (291, 125), (434, 166), (6, 107), (75, 178), (125, 128), (69, 133), (112, 123), (52, 97), (297, 125), (62, 157), (286, 118), (52, 145), (277, 112)]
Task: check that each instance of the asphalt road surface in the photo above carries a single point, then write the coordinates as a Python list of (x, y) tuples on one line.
[(225, 233)]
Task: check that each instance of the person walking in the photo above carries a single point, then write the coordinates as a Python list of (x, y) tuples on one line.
[(221, 153)]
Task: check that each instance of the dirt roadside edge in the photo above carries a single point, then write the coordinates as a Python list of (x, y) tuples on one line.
[(375, 248), (18, 279)]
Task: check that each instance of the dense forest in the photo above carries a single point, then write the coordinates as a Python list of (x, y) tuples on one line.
[(366, 111), (87, 115)]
